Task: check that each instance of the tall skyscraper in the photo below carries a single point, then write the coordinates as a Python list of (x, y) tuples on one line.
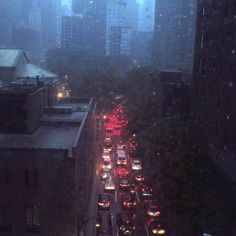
[(93, 15), (146, 16), (72, 33), (81, 6), (13, 14), (214, 81), (174, 34), (122, 21)]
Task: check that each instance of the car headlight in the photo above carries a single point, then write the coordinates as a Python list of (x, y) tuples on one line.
[(161, 231), (155, 231)]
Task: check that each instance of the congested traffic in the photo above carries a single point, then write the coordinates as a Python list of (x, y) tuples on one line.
[(126, 204)]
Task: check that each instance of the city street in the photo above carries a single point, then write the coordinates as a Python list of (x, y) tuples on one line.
[(107, 221)]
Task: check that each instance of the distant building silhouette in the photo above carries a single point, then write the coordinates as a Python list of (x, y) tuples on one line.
[(93, 20), (72, 33), (174, 34)]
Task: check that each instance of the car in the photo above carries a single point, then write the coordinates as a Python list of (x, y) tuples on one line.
[(153, 210), (136, 164), (124, 184), (105, 173), (156, 227), (125, 224), (132, 189), (107, 140), (120, 145), (104, 223), (122, 172), (104, 201), (107, 147), (146, 194), (128, 201), (121, 158), (106, 158), (146, 191), (106, 164), (108, 132), (109, 185), (139, 178)]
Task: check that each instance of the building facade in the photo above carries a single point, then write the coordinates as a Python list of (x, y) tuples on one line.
[(46, 160), (93, 19), (72, 33), (122, 22), (214, 80), (174, 32), (146, 16)]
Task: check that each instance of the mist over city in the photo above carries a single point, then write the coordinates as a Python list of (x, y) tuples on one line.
[(118, 117)]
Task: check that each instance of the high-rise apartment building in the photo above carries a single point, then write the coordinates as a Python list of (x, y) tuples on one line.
[(214, 80), (13, 14), (122, 21), (72, 33), (174, 34), (93, 15), (146, 16)]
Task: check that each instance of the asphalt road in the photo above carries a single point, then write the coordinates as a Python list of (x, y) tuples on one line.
[(140, 219)]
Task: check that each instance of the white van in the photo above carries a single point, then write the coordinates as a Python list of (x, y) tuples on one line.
[(121, 157)]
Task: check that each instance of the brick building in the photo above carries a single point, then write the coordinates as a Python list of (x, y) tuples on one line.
[(46, 160), (214, 81)]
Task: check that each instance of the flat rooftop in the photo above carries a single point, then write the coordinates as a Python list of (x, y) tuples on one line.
[(45, 137), (57, 131)]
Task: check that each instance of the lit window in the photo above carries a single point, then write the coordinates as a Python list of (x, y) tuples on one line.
[(32, 222)]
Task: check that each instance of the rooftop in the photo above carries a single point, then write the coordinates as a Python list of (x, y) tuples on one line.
[(57, 131), (32, 71), (26, 85), (10, 57), (45, 137)]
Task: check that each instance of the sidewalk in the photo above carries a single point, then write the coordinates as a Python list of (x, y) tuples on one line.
[(90, 229)]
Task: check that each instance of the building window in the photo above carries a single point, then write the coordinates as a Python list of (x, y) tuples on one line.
[(6, 176), (36, 177), (202, 40), (32, 223), (27, 178), (5, 218)]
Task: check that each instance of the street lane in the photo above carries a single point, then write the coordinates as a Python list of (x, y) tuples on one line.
[(141, 228)]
